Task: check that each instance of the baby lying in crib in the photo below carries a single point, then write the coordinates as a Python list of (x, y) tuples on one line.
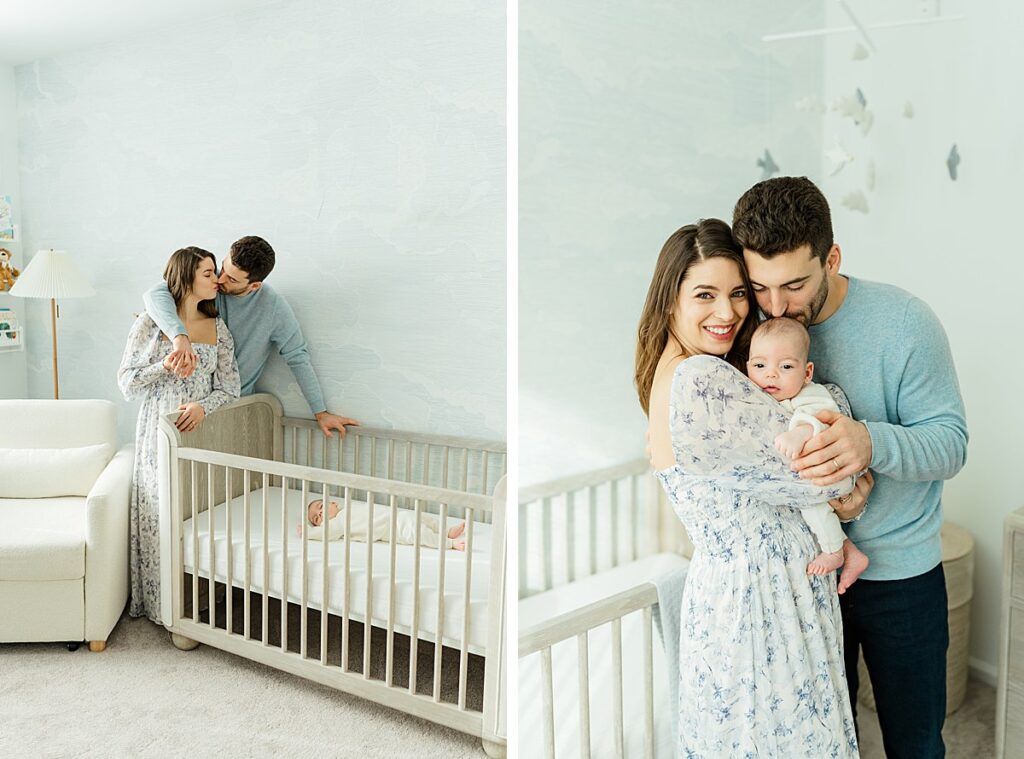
[(360, 530), (778, 365)]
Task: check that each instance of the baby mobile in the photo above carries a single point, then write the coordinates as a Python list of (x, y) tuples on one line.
[(853, 108)]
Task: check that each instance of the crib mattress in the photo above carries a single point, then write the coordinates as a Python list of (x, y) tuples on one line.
[(565, 680), (455, 568)]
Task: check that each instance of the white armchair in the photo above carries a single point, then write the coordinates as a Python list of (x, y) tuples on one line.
[(64, 499)]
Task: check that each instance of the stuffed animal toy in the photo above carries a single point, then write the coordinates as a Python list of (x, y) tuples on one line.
[(7, 272)]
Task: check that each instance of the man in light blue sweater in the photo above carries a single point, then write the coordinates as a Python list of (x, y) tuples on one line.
[(260, 320), (887, 350)]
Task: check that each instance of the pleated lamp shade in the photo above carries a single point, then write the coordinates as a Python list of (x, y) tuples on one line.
[(52, 274)]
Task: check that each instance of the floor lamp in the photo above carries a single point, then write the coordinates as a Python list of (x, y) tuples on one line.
[(52, 274)]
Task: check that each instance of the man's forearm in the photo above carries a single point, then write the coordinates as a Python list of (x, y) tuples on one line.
[(161, 309), (933, 451)]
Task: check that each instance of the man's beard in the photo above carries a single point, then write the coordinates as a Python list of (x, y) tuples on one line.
[(809, 314)]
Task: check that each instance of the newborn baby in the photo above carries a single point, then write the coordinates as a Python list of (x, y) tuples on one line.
[(778, 365), (405, 525)]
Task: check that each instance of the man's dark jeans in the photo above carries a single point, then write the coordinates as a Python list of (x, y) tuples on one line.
[(902, 626)]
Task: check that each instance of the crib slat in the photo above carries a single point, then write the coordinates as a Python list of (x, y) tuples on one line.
[(246, 524), (391, 459), (545, 505), (408, 469), (309, 447), (613, 498), (368, 614), (284, 564), (547, 703), (304, 612), (466, 607), (325, 495), (592, 507), (465, 470), (348, 579), (295, 445), (483, 487), (211, 585), (230, 587), (617, 684), (426, 465), (444, 473), (649, 684), (195, 546), (570, 536), (389, 656), (634, 516), (439, 629), (524, 540), (373, 457), (583, 666), (415, 637), (265, 604)]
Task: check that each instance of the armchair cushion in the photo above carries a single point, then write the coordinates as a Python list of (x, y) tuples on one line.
[(51, 472), (42, 538)]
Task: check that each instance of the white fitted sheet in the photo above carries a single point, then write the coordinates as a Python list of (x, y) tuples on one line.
[(454, 569), (565, 675)]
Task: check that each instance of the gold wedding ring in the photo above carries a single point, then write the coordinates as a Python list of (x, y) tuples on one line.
[(835, 464)]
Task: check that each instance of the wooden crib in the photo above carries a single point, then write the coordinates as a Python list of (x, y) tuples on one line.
[(414, 628), (589, 680)]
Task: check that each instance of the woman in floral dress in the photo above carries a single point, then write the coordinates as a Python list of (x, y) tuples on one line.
[(146, 373), (761, 647)]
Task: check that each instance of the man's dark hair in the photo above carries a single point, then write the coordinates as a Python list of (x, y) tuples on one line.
[(254, 256), (781, 214)]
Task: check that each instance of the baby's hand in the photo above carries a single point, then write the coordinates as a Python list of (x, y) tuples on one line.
[(789, 444)]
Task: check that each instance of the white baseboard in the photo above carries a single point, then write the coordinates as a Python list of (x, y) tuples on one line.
[(983, 672)]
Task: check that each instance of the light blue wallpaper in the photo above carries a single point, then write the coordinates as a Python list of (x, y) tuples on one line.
[(365, 141), (635, 119)]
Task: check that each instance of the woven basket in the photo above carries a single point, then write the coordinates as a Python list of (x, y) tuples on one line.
[(958, 565)]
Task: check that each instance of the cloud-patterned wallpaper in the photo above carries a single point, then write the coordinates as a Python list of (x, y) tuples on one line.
[(365, 141), (635, 118)]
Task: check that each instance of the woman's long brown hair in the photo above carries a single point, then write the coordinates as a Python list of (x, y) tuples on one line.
[(708, 238), (180, 273)]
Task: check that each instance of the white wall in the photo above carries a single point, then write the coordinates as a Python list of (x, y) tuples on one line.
[(954, 244), (635, 119), (365, 141), (13, 372)]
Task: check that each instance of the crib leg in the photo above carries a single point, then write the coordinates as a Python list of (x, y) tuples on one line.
[(494, 750), (182, 643), (97, 645)]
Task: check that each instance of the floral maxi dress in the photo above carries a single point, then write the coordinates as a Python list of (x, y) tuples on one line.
[(761, 647), (214, 383)]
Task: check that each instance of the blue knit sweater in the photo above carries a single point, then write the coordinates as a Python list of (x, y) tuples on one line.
[(888, 351)]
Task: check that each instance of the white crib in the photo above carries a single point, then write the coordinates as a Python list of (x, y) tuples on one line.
[(414, 628), (591, 676)]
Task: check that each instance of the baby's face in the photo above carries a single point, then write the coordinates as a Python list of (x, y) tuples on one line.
[(777, 366), (315, 512)]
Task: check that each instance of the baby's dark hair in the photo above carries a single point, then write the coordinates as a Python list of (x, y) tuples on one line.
[(785, 326)]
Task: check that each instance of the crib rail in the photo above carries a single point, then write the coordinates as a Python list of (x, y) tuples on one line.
[(541, 638), (453, 463), (242, 579), (578, 526)]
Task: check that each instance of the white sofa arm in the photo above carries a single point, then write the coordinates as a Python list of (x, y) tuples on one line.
[(106, 546)]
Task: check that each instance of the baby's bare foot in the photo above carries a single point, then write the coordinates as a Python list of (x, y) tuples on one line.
[(825, 562), (457, 530), (854, 564), (459, 545)]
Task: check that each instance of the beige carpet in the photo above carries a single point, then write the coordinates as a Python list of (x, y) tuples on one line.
[(970, 731), (144, 698)]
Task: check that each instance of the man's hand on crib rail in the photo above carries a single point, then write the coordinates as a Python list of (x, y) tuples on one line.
[(329, 421)]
